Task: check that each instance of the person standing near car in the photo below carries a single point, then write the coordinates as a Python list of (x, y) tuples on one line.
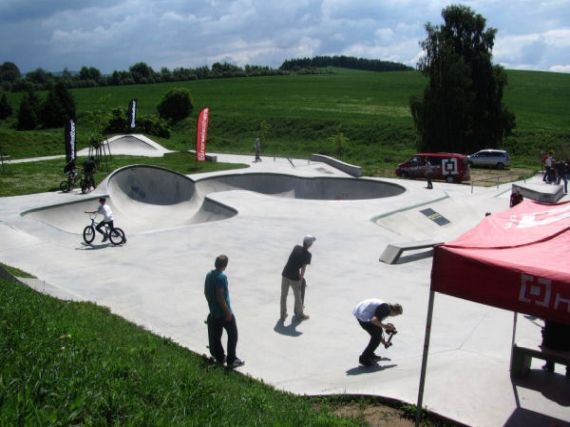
[(293, 276), (105, 210), (221, 315)]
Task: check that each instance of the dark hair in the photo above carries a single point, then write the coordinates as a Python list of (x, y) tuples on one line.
[(221, 262), (396, 308), (102, 199)]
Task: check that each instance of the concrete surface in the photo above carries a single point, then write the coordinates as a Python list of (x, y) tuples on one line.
[(156, 279)]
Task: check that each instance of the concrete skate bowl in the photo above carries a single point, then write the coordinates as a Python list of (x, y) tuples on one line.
[(147, 198), (150, 198), (313, 188)]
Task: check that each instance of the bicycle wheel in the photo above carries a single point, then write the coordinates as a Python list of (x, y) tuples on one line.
[(84, 186), (117, 236), (64, 186), (89, 234)]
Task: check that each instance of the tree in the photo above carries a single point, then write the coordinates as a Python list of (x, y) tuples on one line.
[(29, 112), (340, 142), (90, 74), (176, 105), (5, 107), (142, 73), (9, 72), (461, 109), (58, 107)]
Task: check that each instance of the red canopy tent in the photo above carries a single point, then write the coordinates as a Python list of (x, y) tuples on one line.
[(518, 260)]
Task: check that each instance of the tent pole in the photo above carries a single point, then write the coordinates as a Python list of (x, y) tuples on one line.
[(425, 356), (514, 337)]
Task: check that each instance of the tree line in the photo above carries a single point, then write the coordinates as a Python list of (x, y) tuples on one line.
[(343, 62), (12, 80)]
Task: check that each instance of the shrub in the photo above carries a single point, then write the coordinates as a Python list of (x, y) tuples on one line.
[(176, 105), (154, 126), (5, 107), (28, 116)]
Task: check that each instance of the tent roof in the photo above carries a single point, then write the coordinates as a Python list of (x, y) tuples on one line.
[(518, 259)]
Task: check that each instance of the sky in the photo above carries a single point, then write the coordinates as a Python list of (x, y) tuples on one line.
[(114, 35)]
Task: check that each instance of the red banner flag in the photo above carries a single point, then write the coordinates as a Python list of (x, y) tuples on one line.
[(202, 134)]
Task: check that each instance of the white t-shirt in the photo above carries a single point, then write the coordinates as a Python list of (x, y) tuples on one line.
[(364, 311), (105, 210)]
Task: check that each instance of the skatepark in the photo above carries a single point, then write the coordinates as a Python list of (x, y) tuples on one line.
[(176, 225)]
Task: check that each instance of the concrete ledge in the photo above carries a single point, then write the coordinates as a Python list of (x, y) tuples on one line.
[(393, 251), (209, 157), (340, 165), (546, 193)]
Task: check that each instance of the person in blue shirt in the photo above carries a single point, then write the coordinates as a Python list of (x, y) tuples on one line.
[(221, 315)]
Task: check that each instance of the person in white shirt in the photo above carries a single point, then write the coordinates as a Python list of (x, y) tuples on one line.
[(371, 314), (105, 210)]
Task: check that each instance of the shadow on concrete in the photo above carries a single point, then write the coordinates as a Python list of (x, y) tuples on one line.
[(553, 386), (91, 247), (524, 418), (415, 257), (289, 330), (359, 370)]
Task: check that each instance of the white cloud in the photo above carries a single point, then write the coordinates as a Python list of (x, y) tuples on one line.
[(112, 35)]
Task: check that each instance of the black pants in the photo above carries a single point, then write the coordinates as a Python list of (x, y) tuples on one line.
[(375, 339), (216, 327), (102, 224)]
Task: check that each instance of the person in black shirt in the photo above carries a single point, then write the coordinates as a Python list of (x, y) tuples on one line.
[(293, 276), (89, 167)]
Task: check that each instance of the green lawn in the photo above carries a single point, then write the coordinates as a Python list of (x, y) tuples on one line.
[(304, 111), (65, 363), (39, 177)]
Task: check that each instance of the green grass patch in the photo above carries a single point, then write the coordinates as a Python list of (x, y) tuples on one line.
[(39, 177), (64, 363), (304, 111), (16, 272)]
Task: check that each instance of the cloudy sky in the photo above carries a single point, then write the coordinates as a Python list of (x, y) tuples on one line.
[(115, 34)]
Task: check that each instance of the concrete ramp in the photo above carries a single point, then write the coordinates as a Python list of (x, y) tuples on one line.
[(545, 193), (131, 145)]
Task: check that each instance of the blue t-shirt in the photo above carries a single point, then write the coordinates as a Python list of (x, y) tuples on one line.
[(216, 279)]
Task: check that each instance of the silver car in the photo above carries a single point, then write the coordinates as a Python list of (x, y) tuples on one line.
[(490, 158)]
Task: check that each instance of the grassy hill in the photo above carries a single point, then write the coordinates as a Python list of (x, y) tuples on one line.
[(304, 111)]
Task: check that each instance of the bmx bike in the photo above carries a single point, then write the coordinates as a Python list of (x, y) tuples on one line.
[(116, 235), (71, 182)]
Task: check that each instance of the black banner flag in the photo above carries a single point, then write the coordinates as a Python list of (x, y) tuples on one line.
[(132, 113)]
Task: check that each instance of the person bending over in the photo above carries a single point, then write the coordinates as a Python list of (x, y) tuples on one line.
[(371, 314)]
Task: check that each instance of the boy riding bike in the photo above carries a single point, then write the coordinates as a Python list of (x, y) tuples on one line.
[(105, 210)]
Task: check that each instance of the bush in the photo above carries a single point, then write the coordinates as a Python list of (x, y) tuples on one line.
[(58, 107), (176, 105), (154, 126), (5, 107), (28, 116), (118, 121)]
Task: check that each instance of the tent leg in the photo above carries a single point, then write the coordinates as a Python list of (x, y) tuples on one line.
[(514, 337), (425, 357)]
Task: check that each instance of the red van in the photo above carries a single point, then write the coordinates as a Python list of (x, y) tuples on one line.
[(451, 167)]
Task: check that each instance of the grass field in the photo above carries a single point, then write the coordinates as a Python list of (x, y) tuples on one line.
[(64, 363), (304, 111)]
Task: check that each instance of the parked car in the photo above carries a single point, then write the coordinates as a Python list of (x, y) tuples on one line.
[(490, 158), (451, 167)]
